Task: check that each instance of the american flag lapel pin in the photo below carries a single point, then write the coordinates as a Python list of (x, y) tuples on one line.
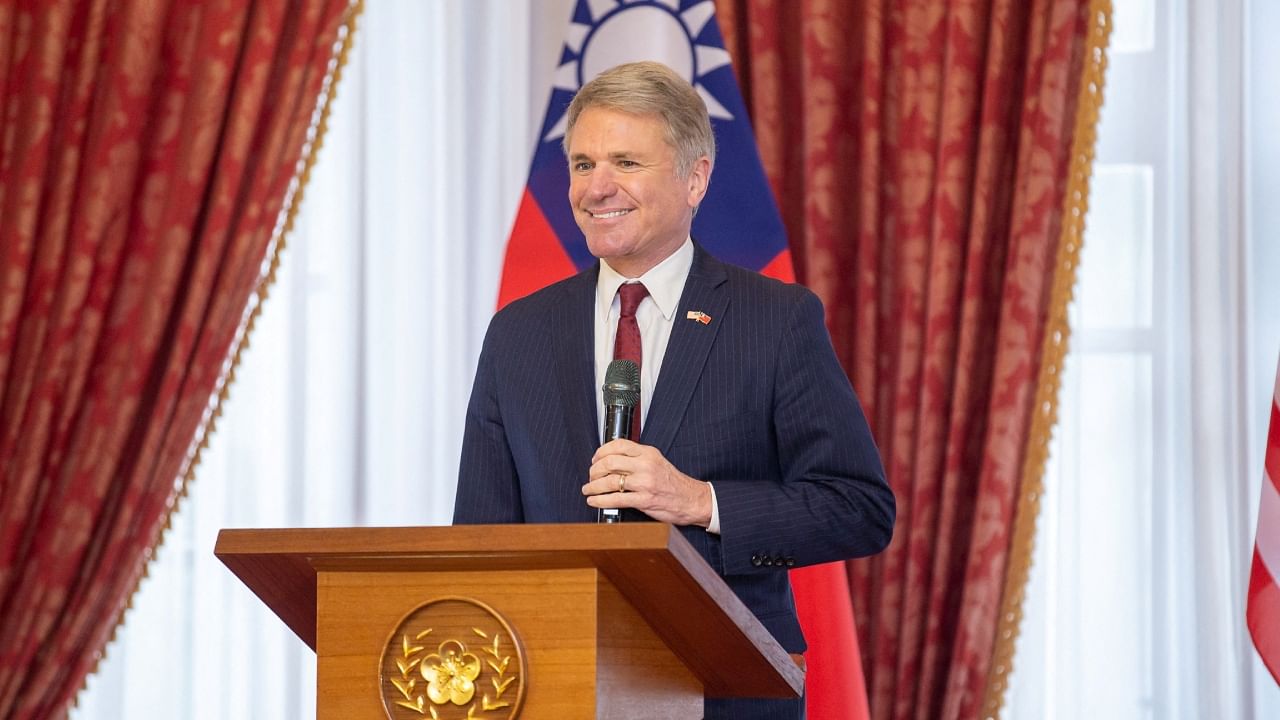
[(698, 315)]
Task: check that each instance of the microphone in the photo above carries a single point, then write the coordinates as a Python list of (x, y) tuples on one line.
[(621, 395)]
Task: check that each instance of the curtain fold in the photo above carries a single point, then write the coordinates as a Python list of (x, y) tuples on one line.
[(146, 149), (921, 152)]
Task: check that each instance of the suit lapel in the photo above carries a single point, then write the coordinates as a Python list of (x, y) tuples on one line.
[(687, 349), (575, 366)]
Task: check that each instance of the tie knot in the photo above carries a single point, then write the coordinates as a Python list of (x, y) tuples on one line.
[(631, 294)]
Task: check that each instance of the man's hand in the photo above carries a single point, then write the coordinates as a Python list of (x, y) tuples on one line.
[(625, 474)]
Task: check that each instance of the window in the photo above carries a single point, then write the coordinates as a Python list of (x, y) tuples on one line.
[(1135, 607)]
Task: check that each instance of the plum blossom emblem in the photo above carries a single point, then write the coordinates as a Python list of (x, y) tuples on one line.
[(451, 674), (476, 671)]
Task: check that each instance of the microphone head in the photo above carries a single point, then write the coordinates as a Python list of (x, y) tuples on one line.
[(622, 384)]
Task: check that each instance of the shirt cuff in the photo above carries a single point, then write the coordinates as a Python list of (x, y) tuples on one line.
[(714, 526)]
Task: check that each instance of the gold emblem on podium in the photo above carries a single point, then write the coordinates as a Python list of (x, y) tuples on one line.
[(452, 658)]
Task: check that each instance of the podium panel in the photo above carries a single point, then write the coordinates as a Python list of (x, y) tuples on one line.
[(599, 659)]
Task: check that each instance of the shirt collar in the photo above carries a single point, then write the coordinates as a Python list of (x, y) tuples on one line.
[(665, 281)]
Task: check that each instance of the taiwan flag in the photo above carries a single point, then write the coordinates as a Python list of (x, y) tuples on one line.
[(737, 222)]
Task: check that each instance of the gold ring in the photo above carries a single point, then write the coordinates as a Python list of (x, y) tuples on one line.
[(622, 483)]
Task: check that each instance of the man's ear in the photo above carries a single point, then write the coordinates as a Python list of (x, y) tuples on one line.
[(699, 179)]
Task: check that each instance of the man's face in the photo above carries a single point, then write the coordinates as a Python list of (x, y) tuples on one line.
[(626, 197)]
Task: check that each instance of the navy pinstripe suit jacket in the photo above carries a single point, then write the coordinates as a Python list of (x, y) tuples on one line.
[(754, 402)]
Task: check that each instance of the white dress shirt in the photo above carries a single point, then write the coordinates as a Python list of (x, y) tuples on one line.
[(655, 316)]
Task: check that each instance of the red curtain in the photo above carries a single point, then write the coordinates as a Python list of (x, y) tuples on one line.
[(146, 149), (921, 152)]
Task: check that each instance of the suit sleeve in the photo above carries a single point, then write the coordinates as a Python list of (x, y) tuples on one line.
[(832, 501), (488, 485)]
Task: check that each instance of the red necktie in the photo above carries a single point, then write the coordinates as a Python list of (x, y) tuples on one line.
[(627, 344)]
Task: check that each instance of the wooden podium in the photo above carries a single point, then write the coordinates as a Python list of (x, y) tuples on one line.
[(504, 621)]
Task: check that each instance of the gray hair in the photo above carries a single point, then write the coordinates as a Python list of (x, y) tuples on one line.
[(650, 88)]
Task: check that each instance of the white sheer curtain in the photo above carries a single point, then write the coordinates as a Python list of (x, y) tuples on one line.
[(1136, 602), (348, 406)]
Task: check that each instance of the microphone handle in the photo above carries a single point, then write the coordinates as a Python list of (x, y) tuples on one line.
[(617, 424), (617, 421)]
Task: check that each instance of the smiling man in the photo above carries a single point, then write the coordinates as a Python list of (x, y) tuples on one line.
[(632, 195), (750, 438)]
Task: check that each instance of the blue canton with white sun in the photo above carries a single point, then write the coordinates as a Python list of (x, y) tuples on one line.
[(738, 221)]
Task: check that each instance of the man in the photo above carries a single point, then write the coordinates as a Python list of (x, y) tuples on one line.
[(752, 441)]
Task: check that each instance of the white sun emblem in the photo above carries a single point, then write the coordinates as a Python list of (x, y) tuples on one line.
[(622, 32)]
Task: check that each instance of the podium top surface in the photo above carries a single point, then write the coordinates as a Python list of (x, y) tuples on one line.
[(651, 564)]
